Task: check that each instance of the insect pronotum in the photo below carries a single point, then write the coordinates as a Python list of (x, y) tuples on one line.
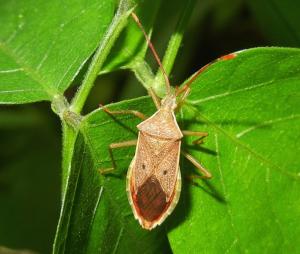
[(153, 178)]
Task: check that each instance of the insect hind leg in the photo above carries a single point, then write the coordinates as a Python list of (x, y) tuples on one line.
[(205, 173), (200, 134), (181, 100)]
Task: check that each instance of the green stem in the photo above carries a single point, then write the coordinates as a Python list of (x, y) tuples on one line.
[(173, 47), (68, 140), (117, 25), (143, 72), (70, 114)]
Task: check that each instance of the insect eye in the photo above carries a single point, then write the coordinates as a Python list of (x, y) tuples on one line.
[(165, 172)]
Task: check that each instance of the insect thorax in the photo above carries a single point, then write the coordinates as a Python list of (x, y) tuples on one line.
[(162, 125), (169, 102)]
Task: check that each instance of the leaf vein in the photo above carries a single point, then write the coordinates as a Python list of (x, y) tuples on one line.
[(36, 77), (229, 211), (235, 241), (118, 239), (258, 156), (20, 91), (11, 70), (244, 89), (271, 209), (265, 123), (66, 72)]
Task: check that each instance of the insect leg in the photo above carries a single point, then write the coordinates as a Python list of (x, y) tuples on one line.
[(203, 170), (124, 112), (199, 134), (110, 150), (183, 97)]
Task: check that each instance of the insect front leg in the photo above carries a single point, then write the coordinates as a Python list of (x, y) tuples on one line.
[(110, 150), (180, 102), (203, 170), (199, 134), (124, 112)]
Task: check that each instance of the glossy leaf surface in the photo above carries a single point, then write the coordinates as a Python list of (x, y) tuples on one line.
[(35, 63)]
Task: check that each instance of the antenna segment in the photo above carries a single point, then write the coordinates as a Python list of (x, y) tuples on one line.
[(189, 82), (136, 19)]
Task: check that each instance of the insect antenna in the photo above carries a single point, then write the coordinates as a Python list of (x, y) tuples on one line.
[(136, 19), (187, 85), (189, 82)]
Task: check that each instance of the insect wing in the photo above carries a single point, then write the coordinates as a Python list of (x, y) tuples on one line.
[(167, 169), (153, 180), (143, 163)]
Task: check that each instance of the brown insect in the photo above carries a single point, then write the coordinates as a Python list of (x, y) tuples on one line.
[(153, 178)]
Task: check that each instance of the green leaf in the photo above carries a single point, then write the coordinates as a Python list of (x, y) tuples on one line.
[(250, 107), (278, 20), (44, 44), (96, 216)]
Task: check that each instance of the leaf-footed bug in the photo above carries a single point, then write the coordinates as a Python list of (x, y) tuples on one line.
[(153, 180)]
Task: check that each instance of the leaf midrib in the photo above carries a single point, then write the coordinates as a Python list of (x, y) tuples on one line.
[(241, 90)]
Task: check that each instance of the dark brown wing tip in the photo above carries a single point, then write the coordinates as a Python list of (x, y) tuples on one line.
[(151, 200)]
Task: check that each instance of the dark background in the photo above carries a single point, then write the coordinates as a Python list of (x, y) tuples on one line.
[(30, 135)]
